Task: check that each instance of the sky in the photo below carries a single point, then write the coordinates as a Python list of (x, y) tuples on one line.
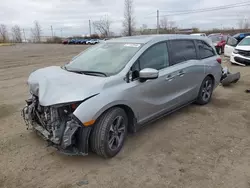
[(71, 17)]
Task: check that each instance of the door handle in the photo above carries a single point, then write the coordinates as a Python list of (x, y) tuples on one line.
[(181, 73), (169, 78)]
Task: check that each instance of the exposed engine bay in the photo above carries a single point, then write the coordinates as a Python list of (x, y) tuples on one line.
[(56, 124)]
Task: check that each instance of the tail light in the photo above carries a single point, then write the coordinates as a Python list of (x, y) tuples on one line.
[(218, 60)]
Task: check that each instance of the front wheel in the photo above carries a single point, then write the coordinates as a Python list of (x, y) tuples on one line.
[(109, 133), (206, 91)]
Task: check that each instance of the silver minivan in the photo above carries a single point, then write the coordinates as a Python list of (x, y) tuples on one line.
[(118, 86)]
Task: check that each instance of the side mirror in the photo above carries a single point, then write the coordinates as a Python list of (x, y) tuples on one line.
[(148, 73)]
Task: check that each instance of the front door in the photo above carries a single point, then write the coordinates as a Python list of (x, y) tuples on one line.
[(230, 46), (153, 97)]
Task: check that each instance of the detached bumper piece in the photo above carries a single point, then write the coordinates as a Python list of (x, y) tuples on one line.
[(229, 78), (61, 131)]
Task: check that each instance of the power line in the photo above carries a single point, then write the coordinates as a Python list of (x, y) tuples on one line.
[(222, 6), (205, 10), (209, 10)]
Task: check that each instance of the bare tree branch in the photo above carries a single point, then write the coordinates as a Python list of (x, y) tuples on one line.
[(171, 24), (103, 26), (3, 33), (36, 32), (164, 23), (129, 22), (144, 29), (16, 33), (246, 24), (241, 23)]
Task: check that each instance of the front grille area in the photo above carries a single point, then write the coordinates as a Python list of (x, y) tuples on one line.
[(242, 60), (244, 53)]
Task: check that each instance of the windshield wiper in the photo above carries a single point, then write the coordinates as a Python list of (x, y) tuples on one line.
[(91, 72), (85, 72)]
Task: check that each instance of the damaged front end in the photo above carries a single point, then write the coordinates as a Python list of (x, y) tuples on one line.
[(56, 124)]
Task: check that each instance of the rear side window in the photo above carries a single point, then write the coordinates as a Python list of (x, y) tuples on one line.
[(205, 50), (182, 50)]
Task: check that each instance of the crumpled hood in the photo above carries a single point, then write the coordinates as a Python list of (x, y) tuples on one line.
[(53, 85), (246, 48)]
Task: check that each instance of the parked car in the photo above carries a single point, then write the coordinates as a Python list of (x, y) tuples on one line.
[(92, 41), (219, 41), (72, 41), (199, 34), (241, 53), (240, 36), (117, 87), (83, 41), (66, 41), (232, 43)]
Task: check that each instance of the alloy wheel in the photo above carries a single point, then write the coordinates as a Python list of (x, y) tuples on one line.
[(207, 90), (116, 133)]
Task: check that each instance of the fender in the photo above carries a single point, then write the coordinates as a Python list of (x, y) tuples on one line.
[(92, 108)]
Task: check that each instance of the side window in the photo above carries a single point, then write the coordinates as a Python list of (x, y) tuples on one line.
[(232, 41), (155, 57), (182, 50), (205, 50)]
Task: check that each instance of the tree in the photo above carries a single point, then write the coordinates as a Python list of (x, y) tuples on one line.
[(164, 23), (103, 26), (36, 32), (129, 22), (144, 29), (196, 29), (171, 25), (3, 33), (246, 24), (16, 33), (241, 23)]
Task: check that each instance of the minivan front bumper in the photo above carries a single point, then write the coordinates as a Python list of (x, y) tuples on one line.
[(60, 130)]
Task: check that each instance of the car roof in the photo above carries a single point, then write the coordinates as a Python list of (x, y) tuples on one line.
[(196, 33), (151, 38)]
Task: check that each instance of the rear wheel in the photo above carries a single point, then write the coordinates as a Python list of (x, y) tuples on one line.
[(206, 91), (109, 133)]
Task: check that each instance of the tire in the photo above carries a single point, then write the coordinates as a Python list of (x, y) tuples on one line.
[(206, 91), (105, 140)]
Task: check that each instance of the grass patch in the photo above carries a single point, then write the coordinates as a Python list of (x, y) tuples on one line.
[(7, 44)]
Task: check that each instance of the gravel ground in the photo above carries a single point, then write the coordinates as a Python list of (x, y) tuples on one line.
[(198, 146)]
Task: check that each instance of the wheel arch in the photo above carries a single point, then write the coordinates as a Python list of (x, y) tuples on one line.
[(129, 112), (212, 77)]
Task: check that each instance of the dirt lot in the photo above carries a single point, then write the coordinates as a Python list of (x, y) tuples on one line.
[(198, 146)]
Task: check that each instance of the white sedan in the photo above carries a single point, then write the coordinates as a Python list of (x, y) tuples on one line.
[(241, 53)]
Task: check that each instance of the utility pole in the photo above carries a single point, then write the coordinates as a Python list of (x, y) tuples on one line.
[(61, 32), (51, 31), (24, 36), (89, 28), (157, 21)]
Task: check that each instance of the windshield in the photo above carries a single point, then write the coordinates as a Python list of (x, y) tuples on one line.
[(108, 58), (215, 38), (245, 42)]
